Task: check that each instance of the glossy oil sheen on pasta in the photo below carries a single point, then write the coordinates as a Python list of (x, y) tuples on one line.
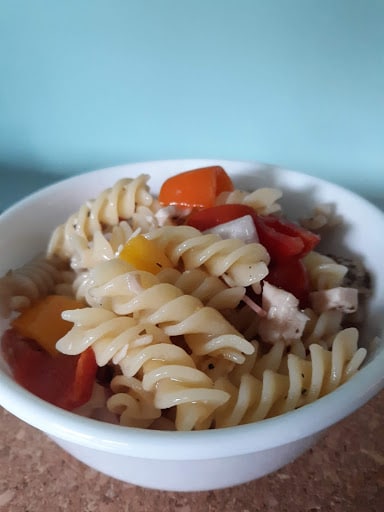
[(186, 348)]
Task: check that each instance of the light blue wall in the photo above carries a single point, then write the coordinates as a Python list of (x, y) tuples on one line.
[(92, 83)]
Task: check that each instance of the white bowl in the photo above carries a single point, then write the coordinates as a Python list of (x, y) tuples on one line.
[(201, 460)]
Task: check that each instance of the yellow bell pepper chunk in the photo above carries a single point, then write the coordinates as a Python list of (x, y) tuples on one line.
[(42, 322), (144, 254)]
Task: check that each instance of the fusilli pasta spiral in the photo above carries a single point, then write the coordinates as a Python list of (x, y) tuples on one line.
[(133, 405), (322, 328), (39, 277), (122, 201), (111, 336), (169, 377), (211, 290), (262, 200), (306, 380), (323, 271), (242, 264)]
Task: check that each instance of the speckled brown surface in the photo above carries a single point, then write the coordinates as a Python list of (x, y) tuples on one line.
[(343, 473)]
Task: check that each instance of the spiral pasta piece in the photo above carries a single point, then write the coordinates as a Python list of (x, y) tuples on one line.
[(115, 286), (104, 246), (117, 272), (322, 328), (122, 201), (170, 373), (262, 200), (323, 372), (188, 389), (169, 376), (211, 290), (274, 359), (241, 264), (132, 403), (322, 216), (251, 400), (110, 336), (204, 329), (270, 393), (340, 363), (36, 279), (323, 271)]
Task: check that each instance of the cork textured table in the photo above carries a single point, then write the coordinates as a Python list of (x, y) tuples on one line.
[(343, 473)]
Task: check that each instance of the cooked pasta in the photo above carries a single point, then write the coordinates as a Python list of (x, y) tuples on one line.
[(104, 246), (39, 277), (127, 199), (110, 336), (170, 374), (99, 276), (335, 366), (273, 392), (211, 290), (205, 330), (323, 271), (263, 200), (132, 403), (322, 216), (193, 330), (188, 389), (322, 328), (239, 263)]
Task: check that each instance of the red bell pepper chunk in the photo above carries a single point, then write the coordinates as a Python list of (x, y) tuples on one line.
[(63, 380), (207, 218)]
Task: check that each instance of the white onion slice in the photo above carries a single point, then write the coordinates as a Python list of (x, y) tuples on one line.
[(242, 228)]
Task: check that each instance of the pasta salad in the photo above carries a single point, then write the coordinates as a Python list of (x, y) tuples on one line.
[(200, 307)]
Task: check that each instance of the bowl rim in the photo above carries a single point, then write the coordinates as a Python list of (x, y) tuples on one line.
[(270, 433), (266, 434)]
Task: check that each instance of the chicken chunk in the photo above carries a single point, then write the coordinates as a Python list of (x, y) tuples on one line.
[(284, 320), (340, 298)]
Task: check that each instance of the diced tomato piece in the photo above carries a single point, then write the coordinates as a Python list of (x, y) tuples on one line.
[(282, 239), (84, 378), (195, 188), (65, 381), (290, 275)]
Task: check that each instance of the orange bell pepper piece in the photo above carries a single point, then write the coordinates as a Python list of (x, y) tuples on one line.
[(195, 188), (42, 322)]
